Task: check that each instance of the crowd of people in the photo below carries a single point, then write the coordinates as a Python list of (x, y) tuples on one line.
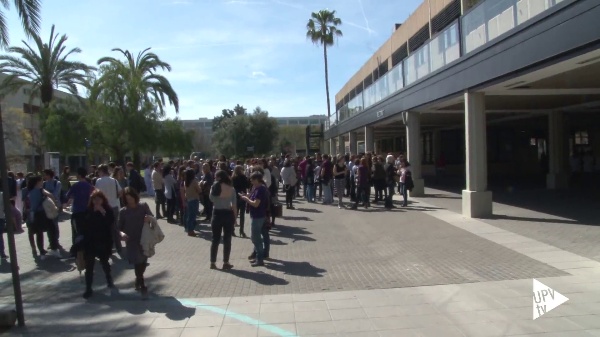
[(106, 208)]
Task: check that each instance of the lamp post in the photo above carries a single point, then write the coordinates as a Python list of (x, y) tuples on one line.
[(10, 229)]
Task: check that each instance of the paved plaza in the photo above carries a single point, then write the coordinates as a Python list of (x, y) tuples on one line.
[(419, 271)]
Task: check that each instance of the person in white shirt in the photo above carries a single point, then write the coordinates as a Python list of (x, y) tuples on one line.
[(158, 184), (112, 190), (267, 174)]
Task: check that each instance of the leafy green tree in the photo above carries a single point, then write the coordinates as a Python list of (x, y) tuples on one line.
[(133, 89), (238, 110), (64, 127), (175, 141), (29, 12), (291, 136), (236, 134), (322, 29), (44, 69)]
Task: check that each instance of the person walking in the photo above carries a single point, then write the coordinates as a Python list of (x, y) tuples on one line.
[(339, 174), (131, 222), (192, 197), (113, 191), (288, 175), (158, 184), (258, 202), (78, 197), (224, 199), (240, 183), (38, 222), (97, 232)]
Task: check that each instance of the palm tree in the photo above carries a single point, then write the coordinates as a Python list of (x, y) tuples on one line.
[(29, 12), (139, 80), (44, 69), (139, 94), (322, 30)]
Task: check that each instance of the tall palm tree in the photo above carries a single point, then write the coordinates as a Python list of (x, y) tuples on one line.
[(134, 88), (29, 12), (140, 83), (322, 30), (44, 69)]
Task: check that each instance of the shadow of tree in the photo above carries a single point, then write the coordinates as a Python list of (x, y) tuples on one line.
[(304, 269), (258, 277)]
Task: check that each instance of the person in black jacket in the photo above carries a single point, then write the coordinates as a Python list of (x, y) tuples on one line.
[(97, 239)]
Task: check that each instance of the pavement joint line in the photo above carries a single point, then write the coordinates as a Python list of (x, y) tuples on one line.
[(499, 236), (242, 318)]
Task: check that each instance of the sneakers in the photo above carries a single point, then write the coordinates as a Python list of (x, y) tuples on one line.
[(257, 264), (252, 256), (227, 266), (213, 266)]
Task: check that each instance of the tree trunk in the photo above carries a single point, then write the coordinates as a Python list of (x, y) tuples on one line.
[(327, 83)]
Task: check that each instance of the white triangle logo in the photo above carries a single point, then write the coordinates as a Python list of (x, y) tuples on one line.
[(545, 299)]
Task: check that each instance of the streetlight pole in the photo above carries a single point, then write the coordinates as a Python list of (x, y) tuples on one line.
[(10, 229)]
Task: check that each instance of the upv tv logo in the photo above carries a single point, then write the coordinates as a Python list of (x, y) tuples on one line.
[(545, 299)]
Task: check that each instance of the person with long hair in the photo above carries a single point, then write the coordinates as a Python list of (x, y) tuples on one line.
[(224, 199), (131, 222), (180, 194), (362, 183), (258, 201), (192, 197), (241, 184), (97, 239), (288, 175)]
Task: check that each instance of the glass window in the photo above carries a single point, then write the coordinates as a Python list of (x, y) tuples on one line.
[(293, 122), (444, 48), (581, 138), (304, 122)]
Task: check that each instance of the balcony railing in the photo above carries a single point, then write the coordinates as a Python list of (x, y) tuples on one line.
[(485, 22), (492, 18)]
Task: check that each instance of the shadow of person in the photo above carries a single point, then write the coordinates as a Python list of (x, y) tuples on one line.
[(293, 233), (308, 210), (304, 269), (258, 277), (296, 218), (54, 265)]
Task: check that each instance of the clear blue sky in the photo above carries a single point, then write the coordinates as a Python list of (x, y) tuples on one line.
[(225, 52)]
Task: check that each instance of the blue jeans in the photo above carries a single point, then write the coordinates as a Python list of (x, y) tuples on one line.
[(327, 193), (190, 214), (257, 238), (266, 240), (404, 192), (310, 192)]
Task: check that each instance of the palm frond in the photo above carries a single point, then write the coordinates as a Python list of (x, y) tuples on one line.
[(29, 12)]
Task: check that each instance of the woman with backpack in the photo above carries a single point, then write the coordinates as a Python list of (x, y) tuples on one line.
[(37, 221), (224, 198)]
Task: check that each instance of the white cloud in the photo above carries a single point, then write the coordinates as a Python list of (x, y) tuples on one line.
[(256, 74)]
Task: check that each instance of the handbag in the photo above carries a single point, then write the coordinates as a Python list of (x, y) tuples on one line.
[(277, 210), (50, 208)]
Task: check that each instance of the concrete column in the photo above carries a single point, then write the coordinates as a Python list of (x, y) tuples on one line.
[(413, 155), (476, 200), (353, 144), (369, 139), (557, 177), (341, 145), (333, 147)]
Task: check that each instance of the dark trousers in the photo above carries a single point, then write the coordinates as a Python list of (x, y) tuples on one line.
[(139, 270), (76, 224), (289, 195), (90, 261), (222, 221), (241, 206), (36, 238), (352, 190), (170, 208), (160, 200), (208, 207), (362, 194)]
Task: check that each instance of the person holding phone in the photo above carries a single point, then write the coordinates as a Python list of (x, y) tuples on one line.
[(131, 222), (257, 201)]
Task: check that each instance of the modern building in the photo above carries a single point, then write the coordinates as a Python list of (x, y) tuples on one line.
[(498, 88), (23, 137)]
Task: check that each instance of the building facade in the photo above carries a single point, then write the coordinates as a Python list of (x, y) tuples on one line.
[(501, 88)]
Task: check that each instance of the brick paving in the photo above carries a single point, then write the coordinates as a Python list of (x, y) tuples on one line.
[(569, 220), (315, 249)]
